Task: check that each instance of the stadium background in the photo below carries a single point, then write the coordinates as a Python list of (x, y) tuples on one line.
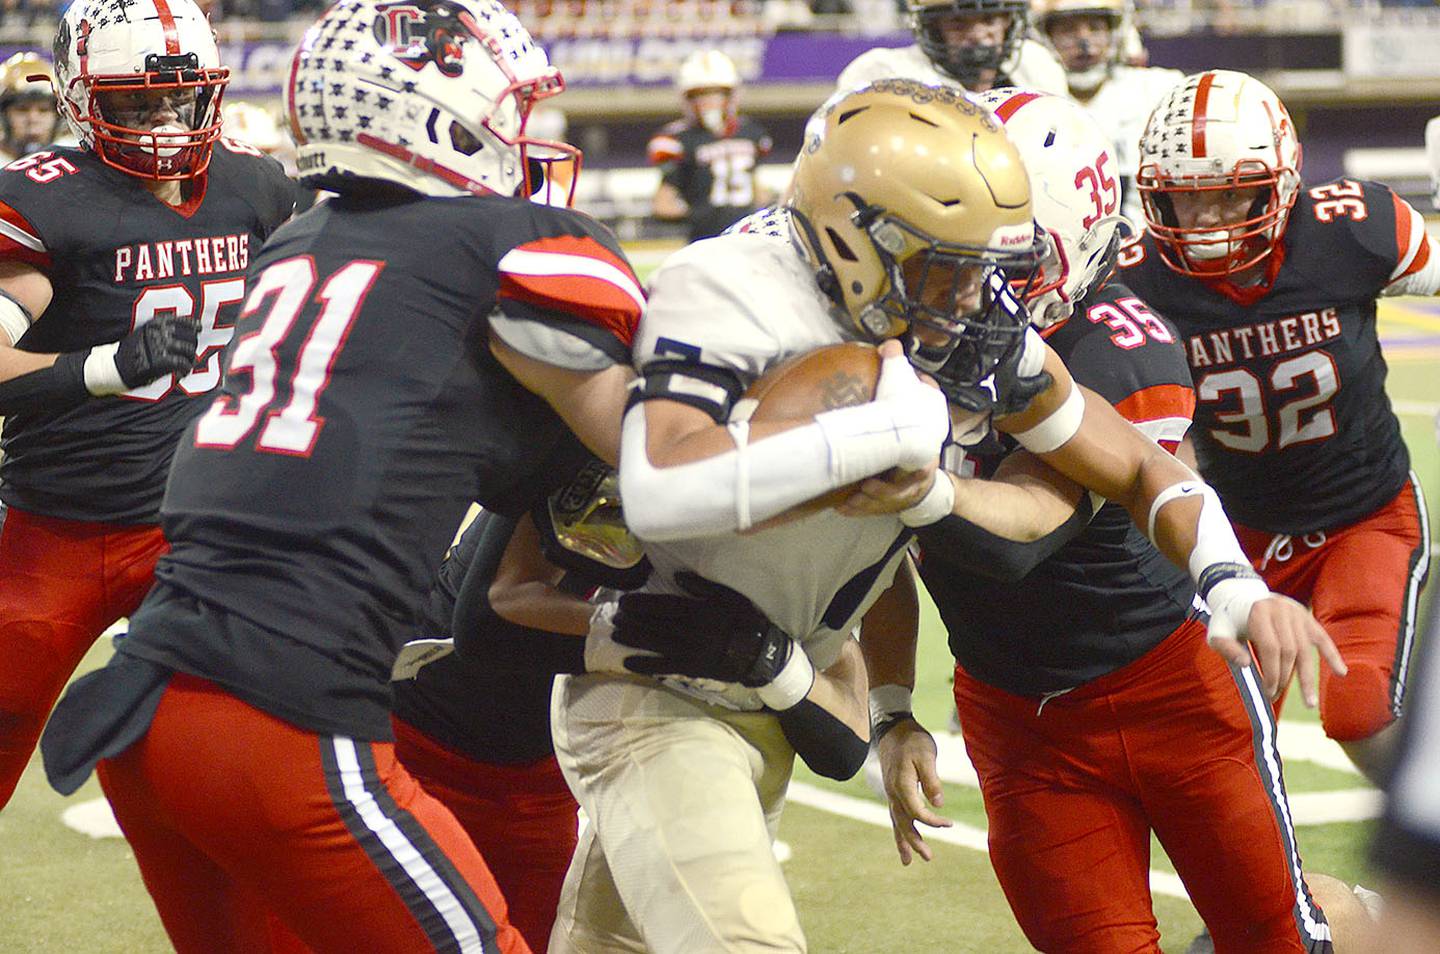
[(1361, 80)]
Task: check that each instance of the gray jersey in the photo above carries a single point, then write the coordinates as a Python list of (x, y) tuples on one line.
[(747, 301)]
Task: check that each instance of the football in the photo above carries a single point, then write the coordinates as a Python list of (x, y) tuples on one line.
[(835, 376)]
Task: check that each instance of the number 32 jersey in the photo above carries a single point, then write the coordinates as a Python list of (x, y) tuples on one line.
[(117, 257), (1292, 423)]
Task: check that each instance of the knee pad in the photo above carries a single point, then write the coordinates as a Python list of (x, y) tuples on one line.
[(1357, 706)]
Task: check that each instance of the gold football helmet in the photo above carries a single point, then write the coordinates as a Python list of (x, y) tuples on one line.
[(16, 89), (914, 208)]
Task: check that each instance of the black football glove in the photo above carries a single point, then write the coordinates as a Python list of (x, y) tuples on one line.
[(712, 633), (164, 345), (1003, 391)]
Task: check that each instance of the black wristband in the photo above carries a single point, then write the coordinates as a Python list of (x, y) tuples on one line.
[(882, 728), (1219, 572), (56, 388)]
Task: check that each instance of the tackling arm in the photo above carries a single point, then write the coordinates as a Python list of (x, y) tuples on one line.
[(1082, 436), (668, 205), (29, 381)]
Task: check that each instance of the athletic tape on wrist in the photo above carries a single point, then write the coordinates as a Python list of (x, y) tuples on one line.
[(15, 318), (791, 684), (936, 505), (1058, 427), (889, 701), (1217, 573), (740, 434), (102, 374)]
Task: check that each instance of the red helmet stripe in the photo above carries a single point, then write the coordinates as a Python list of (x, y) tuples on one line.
[(1011, 105), (1202, 102), (167, 23)]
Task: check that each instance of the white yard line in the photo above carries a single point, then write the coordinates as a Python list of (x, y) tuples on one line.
[(963, 835)]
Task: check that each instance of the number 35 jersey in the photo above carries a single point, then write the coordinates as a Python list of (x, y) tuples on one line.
[(1292, 423), (116, 257)]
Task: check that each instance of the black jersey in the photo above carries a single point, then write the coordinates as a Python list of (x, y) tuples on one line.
[(715, 175), (360, 414), (491, 714), (1108, 596), (116, 256), (1293, 426)]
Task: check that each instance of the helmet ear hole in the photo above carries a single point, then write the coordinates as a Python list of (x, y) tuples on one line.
[(841, 247), (463, 140)]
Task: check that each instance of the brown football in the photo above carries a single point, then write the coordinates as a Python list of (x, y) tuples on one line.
[(835, 376)]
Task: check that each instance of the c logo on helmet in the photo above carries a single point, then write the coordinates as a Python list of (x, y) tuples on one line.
[(419, 35)]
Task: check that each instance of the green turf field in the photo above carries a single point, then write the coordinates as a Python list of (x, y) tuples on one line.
[(63, 891)]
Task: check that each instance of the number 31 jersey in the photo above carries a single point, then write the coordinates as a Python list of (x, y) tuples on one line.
[(116, 257), (1292, 424), (361, 412)]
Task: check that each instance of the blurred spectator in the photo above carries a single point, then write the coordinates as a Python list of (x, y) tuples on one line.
[(709, 154), (28, 118)]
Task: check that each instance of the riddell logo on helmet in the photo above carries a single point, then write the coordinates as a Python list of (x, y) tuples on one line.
[(1013, 238)]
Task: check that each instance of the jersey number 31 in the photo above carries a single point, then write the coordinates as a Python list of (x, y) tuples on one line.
[(292, 427)]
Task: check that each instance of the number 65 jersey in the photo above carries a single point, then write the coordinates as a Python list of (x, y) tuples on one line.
[(1292, 423), (116, 257)]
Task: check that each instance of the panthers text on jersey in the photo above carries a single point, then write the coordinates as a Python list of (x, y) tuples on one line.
[(116, 257), (714, 174), (361, 413), (1292, 425), (1036, 68), (813, 577), (1108, 596)]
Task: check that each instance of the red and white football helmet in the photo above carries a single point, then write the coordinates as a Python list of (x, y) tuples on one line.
[(1074, 185), (1216, 131), (434, 95), (160, 47)]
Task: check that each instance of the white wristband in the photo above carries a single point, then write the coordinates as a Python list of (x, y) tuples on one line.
[(937, 503), (15, 320), (102, 374), (791, 685), (888, 701), (1058, 427)]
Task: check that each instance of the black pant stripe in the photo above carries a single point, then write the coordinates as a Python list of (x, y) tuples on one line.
[(1419, 569), (364, 782), (1310, 924)]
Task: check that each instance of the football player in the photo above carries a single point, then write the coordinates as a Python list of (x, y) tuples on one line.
[(979, 44), (1089, 38), (708, 156), (427, 337), (1091, 707), (1273, 286), (870, 244), (122, 267), (28, 117), (473, 727)]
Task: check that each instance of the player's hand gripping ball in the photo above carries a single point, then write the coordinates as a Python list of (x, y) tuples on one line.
[(826, 379)]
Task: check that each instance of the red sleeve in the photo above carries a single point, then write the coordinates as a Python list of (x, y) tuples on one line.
[(20, 241), (1411, 244), (576, 276), (1162, 411), (664, 148)]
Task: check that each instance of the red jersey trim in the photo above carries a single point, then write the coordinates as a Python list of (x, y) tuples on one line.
[(1412, 244), (20, 241), (664, 149), (575, 275), (1162, 411)]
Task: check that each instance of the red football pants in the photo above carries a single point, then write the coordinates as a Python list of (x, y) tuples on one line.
[(1363, 584), (1175, 742), (233, 813), (521, 817), (62, 582)]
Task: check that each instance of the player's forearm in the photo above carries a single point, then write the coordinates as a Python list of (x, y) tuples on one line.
[(890, 630), (830, 728)]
